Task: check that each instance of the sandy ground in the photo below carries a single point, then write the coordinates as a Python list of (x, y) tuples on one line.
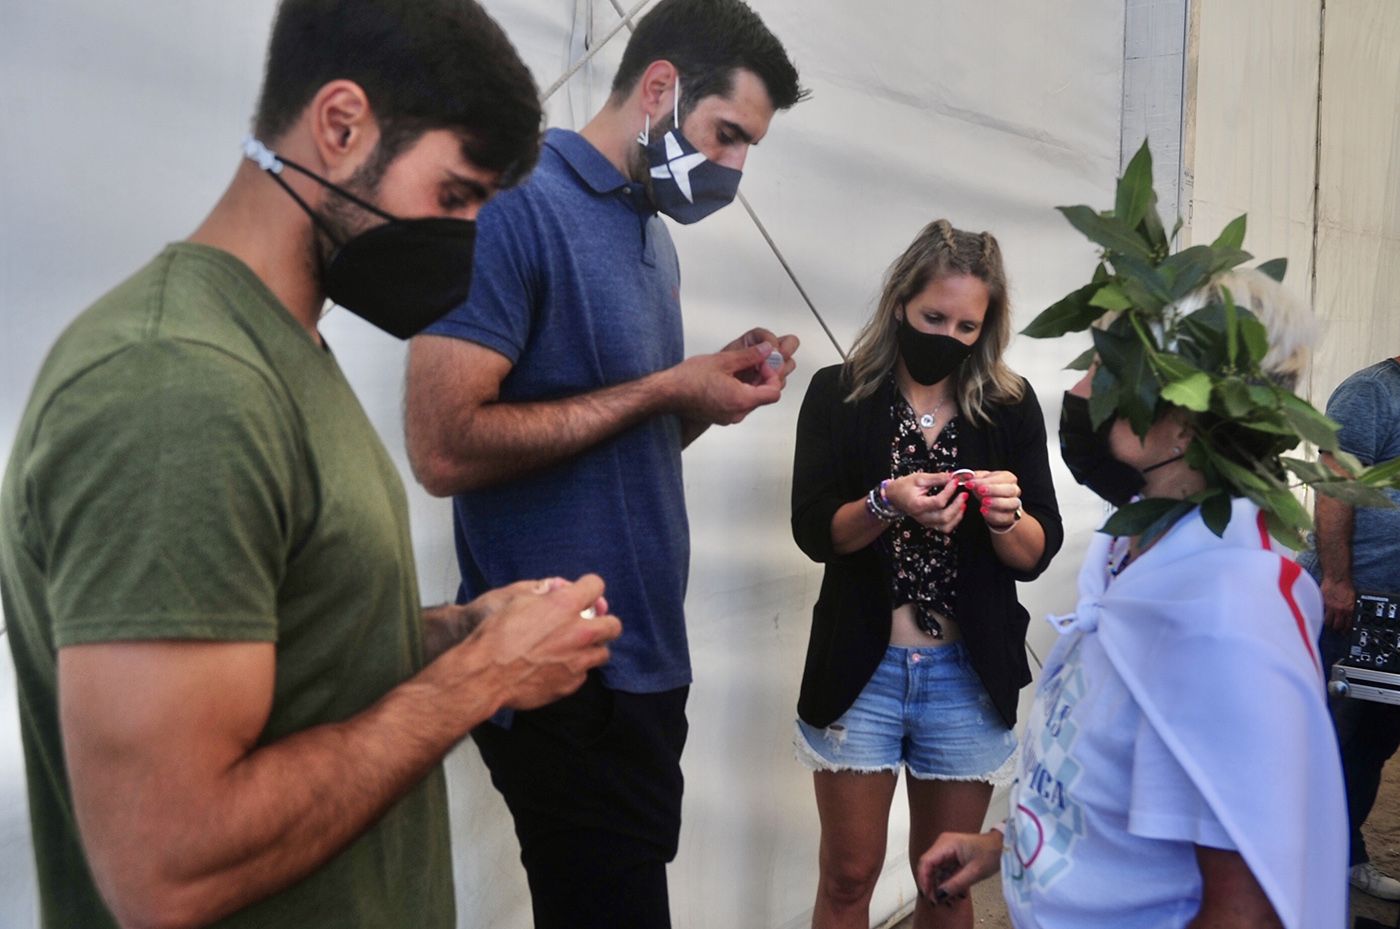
[(1382, 831)]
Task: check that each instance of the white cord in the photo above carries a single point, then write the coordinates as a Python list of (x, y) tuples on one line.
[(260, 154)]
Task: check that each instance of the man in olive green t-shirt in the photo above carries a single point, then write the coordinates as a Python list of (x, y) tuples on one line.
[(233, 709)]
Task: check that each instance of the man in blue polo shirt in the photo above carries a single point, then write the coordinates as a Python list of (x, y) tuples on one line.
[(554, 405), (1357, 550)]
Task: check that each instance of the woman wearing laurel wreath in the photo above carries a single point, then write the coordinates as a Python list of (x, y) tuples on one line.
[(1179, 766), (921, 482)]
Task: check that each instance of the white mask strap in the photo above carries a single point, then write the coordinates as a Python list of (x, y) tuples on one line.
[(261, 155)]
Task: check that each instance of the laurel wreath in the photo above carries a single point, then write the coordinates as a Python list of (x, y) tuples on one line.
[(1152, 355)]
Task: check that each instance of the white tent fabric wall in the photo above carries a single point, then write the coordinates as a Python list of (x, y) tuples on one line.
[(122, 127)]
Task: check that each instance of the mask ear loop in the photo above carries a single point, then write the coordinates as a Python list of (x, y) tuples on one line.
[(1177, 455), (644, 137), (272, 163)]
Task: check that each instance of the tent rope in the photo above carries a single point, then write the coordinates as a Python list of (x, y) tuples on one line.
[(777, 253), (577, 65), (626, 22)]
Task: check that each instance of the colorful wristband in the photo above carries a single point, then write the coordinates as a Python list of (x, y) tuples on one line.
[(879, 506)]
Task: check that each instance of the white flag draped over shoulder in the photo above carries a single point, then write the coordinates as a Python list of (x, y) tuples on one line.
[(1216, 640)]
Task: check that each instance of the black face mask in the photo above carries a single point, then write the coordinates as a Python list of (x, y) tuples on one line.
[(401, 276), (928, 356), (1086, 452), (1089, 456)]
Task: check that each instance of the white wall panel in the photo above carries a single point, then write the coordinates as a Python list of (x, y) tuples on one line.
[(1255, 127), (1358, 235), (1154, 56), (1324, 190), (122, 126)]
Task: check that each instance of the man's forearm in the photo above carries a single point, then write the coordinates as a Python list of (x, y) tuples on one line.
[(1231, 897), (1334, 523), (1022, 547), (284, 809), (502, 440), (443, 627)]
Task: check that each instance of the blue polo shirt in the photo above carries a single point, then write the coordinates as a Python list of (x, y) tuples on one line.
[(576, 281)]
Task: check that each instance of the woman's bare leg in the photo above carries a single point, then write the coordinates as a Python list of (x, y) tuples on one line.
[(936, 807), (855, 813)]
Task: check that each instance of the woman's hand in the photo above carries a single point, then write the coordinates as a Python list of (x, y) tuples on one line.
[(955, 862), (1000, 495), (935, 501)]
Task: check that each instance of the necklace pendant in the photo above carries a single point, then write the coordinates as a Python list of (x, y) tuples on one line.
[(927, 421)]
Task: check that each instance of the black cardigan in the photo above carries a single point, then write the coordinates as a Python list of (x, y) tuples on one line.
[(842, 451)]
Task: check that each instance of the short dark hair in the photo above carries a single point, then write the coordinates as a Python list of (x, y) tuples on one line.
[(423, 64), (707, 40)]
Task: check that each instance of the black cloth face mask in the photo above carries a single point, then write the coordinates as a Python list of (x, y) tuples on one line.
[(403, 275), (1089, 456), (928, 356)]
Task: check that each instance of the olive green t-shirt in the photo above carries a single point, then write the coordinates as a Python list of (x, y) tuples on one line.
[(192, 465)]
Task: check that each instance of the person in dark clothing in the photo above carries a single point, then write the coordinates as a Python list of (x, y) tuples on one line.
[(1357, 549), (921, 480), (553, 406)]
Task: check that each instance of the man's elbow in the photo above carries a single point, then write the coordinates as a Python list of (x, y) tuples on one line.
[(159, 905), (158, 919), (435, 475), (442, 475)]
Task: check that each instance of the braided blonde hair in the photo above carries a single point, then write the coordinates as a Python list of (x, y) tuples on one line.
[(938, 251)]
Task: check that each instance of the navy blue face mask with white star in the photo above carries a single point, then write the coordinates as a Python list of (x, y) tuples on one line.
[(685, 185)]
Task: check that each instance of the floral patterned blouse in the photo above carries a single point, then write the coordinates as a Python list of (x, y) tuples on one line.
[(925, 561)]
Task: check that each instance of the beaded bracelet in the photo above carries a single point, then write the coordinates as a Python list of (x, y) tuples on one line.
[(884, 498), (879, 505)]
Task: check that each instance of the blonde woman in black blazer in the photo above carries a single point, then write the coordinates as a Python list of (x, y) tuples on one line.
[(921, 481)]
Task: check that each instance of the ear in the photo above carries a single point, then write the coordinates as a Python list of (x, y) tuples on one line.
[(343, 128), (657, 89)]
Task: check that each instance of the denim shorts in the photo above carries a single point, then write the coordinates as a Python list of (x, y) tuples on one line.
[(925, 709)]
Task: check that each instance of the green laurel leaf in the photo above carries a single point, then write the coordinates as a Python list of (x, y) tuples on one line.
[(1071, 313), (1187, 270), (1111, 233), (1193, 392), (1385, 473), (1231, 238), (1111, 297), (1354, 493), (1225, 260), (1135, 194), (1215, 511), (1275, 268), (1083, 360), (1136, 518), (1309, 424)]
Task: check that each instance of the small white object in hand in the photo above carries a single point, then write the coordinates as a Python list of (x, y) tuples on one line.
[(589, 613), (775, 360)]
